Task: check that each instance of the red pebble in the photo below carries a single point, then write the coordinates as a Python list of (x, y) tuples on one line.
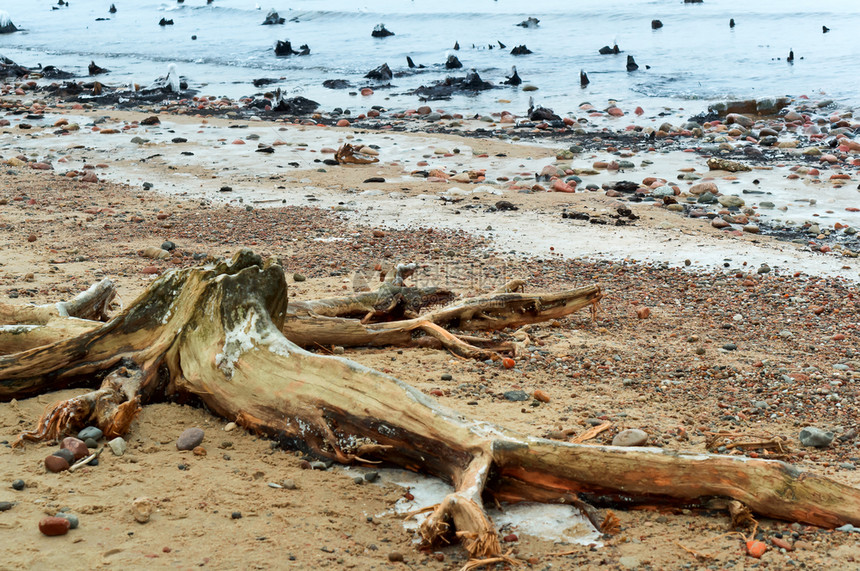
[(508, 363), (149, 270), (56, 464), (76, 445), (54, 526), (510, 538), (756, 548), (643, 312)]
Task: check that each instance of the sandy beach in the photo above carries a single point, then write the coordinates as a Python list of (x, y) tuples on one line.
[(750, 328)]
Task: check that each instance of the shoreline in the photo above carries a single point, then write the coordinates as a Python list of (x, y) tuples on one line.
[(724, 349)]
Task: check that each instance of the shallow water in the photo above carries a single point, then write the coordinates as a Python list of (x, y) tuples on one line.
[(695, 58)]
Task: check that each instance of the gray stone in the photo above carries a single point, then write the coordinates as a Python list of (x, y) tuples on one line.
[(66, 455), (662, 191), (519, 395), (289, 484), (707, 198), (73, 519), (189, 439), (18, 485), (812, 436), (371, 476), (763, 269), (630, 437), (90, 432), (297, 277), (118, 446), (730, 347), (318, 465), (729, 200), (91, 443), (446, 376), (6, 506)]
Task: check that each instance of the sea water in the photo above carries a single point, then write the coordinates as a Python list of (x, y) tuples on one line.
[(694, 59)]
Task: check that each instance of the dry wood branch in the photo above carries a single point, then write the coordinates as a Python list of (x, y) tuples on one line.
[(216, 333), (23, 327), (592, 432), (350, 155)]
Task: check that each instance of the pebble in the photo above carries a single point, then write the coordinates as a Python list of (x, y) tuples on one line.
[(18, 485), (447, 377), (54, 526), (229, 427), (73, 519), (371, 476), (56, 464), (6, 506), (630, 437), (318, 465), (289, 484), (90, 432), (518, 395), (189, 439), (395, 556), (812, 436), (142, 508), (236, 515), (91, 443), (118, 446), (76, 446)]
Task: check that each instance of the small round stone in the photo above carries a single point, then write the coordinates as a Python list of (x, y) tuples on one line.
[(395, 556), (18, 485), (56, 463), (189, 439), (54, 526), (73, 519), (236, 515), (91, 443), (90, 432), (630, 437)]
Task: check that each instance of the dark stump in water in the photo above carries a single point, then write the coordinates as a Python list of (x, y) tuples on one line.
[(606, 50), (472, 83), (453, 63), (272, 19), (520, 51), (381, 73), (380, 31), (631, 64), (96, 70)]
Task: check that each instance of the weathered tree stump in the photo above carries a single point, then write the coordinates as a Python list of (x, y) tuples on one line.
[(215, 333)]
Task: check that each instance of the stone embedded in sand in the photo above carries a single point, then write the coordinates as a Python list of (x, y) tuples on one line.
[(56, 464), (142, 509), (118, 446), (812, 436), (726, 165), (630, 437), (54, 526), (643, 312), (540, 395), (189, 439)]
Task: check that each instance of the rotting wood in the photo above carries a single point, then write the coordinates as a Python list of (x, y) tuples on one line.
[(215, 333)]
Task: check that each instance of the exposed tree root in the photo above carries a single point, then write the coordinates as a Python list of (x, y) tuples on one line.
[(216, 333)]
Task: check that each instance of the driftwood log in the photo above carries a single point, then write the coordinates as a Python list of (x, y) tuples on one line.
[(216, 333)]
